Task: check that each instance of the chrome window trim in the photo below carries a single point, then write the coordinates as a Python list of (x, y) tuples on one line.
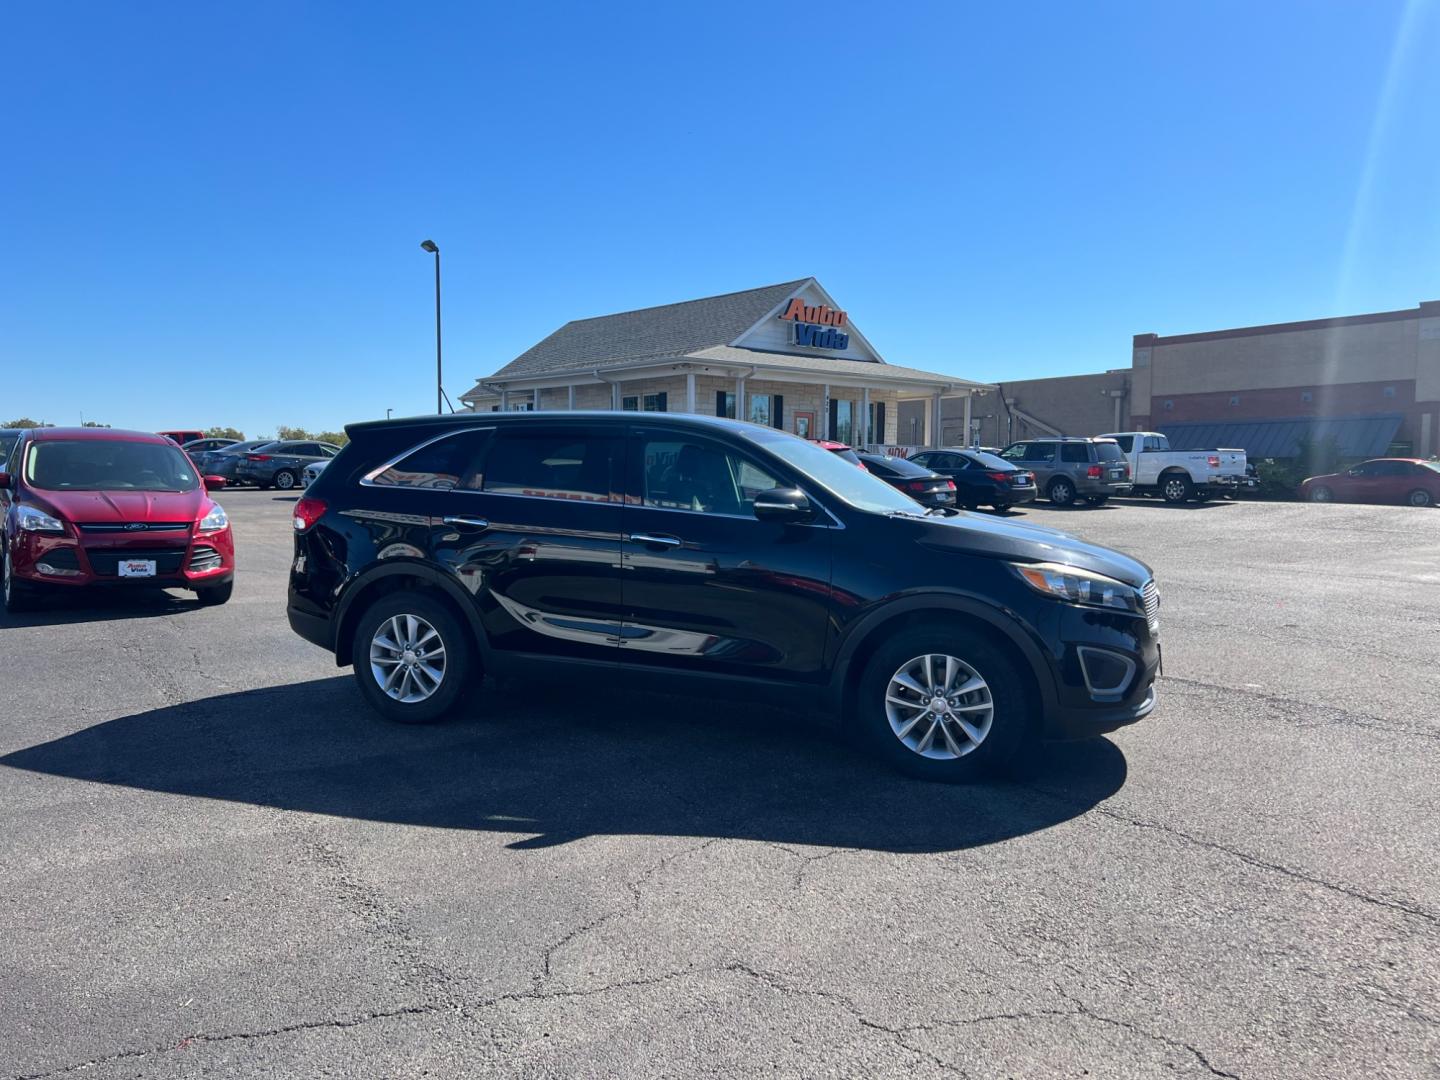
[(368, 480)]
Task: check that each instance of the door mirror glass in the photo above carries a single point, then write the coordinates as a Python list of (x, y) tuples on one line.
[(783, 504)]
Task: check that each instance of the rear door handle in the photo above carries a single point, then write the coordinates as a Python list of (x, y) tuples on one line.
[(468, 522), (658, 541)]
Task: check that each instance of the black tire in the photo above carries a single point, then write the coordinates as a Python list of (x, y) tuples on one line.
[(1320, 493), (1420, 497), (284, 479), (1061, 492), (1000, 508), (1014, 721), (458, 670), (1097, 500), (19, 596), (1176, 488), (215, 595)]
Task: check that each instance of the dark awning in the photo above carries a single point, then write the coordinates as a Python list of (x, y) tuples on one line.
[(1358, 436)]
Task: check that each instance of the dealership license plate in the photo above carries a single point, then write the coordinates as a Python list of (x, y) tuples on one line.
[(137, 567)]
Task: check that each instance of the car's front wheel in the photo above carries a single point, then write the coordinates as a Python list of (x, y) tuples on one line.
[(412, 658), (1321, 493), (940, 702), (19, 596)]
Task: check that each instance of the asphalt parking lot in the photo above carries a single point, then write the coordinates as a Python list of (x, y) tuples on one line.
[(215, 861)]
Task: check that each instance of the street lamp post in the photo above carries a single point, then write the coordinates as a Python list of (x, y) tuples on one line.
[(387, 413), (434, 249)]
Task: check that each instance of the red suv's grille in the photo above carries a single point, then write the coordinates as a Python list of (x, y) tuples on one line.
[(104, 561)]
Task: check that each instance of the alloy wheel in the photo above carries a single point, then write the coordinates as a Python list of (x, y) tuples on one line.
[(284, 480), (1420, 498), (407, 658), (939, 707), (1061, 493), (1321, 494)]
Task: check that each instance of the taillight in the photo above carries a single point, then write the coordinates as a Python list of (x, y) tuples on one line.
[(257, 457), (917, 485), (1213, 461), (949, 485), (307, 512), (1095, 472), (999, 477)]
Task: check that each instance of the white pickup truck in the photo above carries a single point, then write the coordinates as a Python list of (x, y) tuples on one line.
[(1179, 475)]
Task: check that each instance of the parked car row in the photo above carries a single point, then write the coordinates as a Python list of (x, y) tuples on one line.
[(266, 463)]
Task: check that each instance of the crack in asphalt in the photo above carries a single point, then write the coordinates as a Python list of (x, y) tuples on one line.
[(1290, 711)]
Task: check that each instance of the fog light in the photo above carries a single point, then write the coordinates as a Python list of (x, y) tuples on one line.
[(55, 571), (1106, 673)]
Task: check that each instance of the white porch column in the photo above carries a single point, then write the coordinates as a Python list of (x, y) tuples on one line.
[(615, 396), (969, 437), (572, 396), (740, 397), (937, 433), (535, 400), (504, 400), (864, 439), (824, 424), (690, 391)]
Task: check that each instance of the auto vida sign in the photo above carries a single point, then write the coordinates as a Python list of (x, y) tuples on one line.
[(816, 326)]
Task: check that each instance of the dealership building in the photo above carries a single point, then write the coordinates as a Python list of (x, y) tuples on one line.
[(1371, 382), (787, 356)]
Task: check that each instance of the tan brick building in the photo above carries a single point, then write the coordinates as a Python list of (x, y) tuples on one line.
[(783, 355)]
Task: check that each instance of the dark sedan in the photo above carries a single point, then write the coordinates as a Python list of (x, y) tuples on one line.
[(226, 461), (981, 478), (924, 486), (280, 464)]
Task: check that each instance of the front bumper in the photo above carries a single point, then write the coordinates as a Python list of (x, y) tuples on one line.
[(207, 559)]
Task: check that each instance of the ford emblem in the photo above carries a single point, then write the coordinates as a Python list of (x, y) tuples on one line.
[(135, 526)]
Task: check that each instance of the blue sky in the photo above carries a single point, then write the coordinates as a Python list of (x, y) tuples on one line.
[(212, 214)]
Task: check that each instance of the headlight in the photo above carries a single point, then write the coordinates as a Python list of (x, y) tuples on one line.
[(1080, 586), (214, 520), (32, 520)]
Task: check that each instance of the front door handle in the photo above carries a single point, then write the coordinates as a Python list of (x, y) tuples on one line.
[(657, 541), (468, 522)]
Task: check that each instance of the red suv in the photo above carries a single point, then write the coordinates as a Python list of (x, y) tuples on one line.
[(94, 506)]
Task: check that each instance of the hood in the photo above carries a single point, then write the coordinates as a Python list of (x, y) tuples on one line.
[(1022, 542), (102, 507)]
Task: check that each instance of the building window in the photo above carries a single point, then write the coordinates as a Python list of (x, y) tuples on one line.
[(842, 421), (1307, 396), (1389, 391), (1234, 399), (630, 404), (725, 404), (759, 409), (655, 402), (875, 423)]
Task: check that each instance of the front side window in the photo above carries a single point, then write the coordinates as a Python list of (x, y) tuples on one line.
[(691, 474), (858, 487), (552, 465), (1041, 452), (1016, 452), (451, 462), (108, 465)]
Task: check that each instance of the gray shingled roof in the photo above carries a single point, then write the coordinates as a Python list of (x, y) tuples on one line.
[(827, 365), (668, 330)]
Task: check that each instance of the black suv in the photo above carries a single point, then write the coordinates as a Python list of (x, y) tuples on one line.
[(686, 552)]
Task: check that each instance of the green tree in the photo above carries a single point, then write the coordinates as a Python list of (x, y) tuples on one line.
[(224, 433), (283, 432), (23, 422), (338, 438)]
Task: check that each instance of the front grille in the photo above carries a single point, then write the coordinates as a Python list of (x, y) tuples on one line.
[(105, 561), (1151, 595), (134, 528), (204, 557), (61, 558)]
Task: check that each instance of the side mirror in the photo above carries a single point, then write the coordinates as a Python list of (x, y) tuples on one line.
[(4, 481), (783, 505), (214, 483), (1353, 472)]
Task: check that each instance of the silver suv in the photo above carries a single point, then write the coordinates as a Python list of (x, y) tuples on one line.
[(1067, 469)]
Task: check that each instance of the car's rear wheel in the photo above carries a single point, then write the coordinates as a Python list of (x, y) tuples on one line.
[(412, 659), (1175, 488), (1061, 492), (214, 595), (19, 596), (1419, 497), (1321, 493), (284, 479), (941, 703)]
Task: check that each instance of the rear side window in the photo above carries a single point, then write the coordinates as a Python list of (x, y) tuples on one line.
[(451, 462), (555, 465), (1075, 452), (1108, 451)]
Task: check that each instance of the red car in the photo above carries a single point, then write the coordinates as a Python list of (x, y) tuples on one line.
[(1381, 480), (840, 450), (94, 506)]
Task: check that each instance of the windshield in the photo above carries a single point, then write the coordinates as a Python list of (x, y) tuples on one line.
[(1432, 465), (108, 465), (1108, 451), (990, 461), (858, 487)]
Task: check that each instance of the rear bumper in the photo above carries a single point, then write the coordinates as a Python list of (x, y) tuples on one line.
[(315, 629)]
